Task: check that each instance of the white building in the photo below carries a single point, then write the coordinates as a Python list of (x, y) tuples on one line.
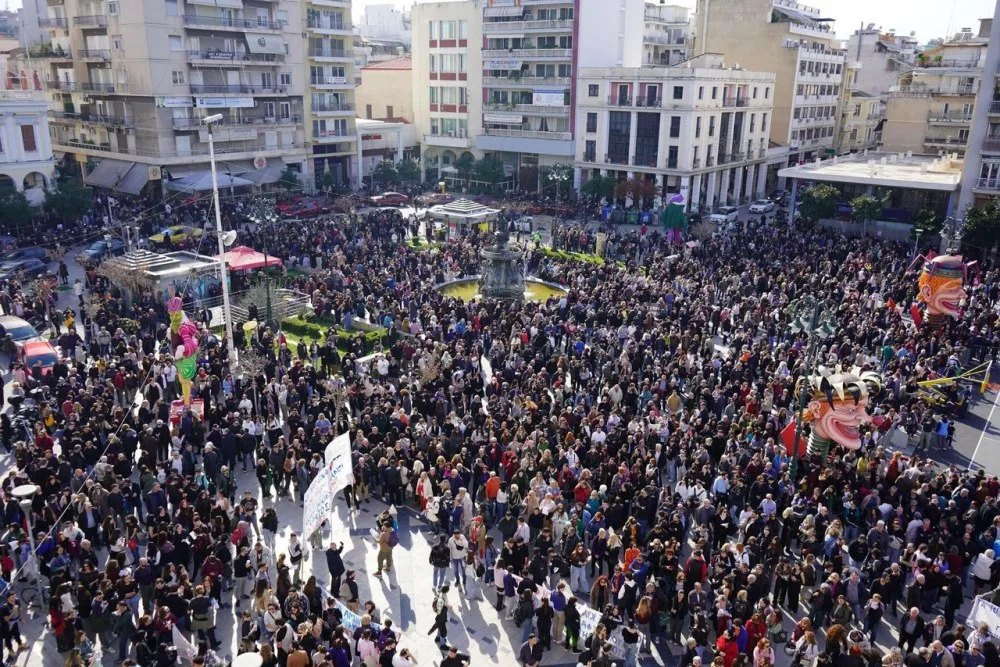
[(700, 128), (386, 22), (666, 36), (26, 160), (880, 57)]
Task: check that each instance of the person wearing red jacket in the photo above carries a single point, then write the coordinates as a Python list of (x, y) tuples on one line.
[(726, 646)]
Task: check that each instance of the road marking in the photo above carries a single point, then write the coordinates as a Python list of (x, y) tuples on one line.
[(982, 436)]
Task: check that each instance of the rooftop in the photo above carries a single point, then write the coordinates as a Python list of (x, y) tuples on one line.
[(401, 63), (894, 170)]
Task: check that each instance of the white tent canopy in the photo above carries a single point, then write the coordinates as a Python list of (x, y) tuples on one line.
[(462, 211), (202, 181)]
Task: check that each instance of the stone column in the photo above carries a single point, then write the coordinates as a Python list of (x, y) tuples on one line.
[(738, 186), (712, 191), (792, 201), (695, 192)]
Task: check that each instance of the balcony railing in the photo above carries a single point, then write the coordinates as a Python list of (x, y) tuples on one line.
[(526, 80), (649, 103), (615, 101), (99, 54), (317, 24), (991, 144), (550, 52), (229, 22), (333, 107), (218, 55), (528, 134), (967, 64), (728, 158), (661, 38), (237, 88), (98, 87), (227, 148), (589, 157), (58, 54), (616, 159), (92, 20), (495, 27), (61, 85), (644, 161), (949, 116), (734, 101), (926, 91), (329, 53), (53, 23), (710, 161), (946, 141), (332, 134), (995, 106), (696, 163), (97, 119), (196, 123), (988, 184)]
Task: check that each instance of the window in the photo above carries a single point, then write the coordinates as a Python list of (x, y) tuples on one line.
[(590, 151), (701, 92), (433, 29), (593, 90), (433, 63), (433, 94), (285, 78), (368, 111), (715, 92), (796, 112), (697, 127), (388, 111), (178, 77), (678, 92), (176, 42), (591, 122), (672, 157), (448, 30), (171, 7), (116, 42), (675, 126), (286, 110), (463, 29), (711, 126), (113, 8), (763, 122), (28, 138)]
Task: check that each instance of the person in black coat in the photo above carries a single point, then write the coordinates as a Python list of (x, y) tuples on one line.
[(543, 623), (911, 628), (335, 564)]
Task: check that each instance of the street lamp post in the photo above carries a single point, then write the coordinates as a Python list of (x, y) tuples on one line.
[(817, 319), (951, 234), (226, 308), (24, 493)]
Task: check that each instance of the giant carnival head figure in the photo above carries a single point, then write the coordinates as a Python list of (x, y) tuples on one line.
[(940, 285), (838, 404)]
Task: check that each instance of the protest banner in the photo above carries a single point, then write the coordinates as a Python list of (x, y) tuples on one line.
[(984, 612), (335, 475)]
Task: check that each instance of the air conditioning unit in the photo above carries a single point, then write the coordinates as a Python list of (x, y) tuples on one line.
[(451, 134), (461, 134)]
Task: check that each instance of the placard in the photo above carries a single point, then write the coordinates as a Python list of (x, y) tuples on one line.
[(550, 97), (174, 103), (224, 102), (503, 118)]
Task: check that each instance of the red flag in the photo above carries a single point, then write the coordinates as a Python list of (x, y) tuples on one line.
[(915, 313), (788, 437)]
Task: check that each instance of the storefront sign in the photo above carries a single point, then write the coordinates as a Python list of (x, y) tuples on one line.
[(174, 103), (223, 102)]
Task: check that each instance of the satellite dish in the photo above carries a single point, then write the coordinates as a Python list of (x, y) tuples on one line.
[(228, 238)]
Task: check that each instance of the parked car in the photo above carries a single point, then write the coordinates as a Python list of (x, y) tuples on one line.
[(32, 252), (434, 199), (730, 213), (29, 268), (20, 330), (390, 199), (39, 352), (309, 208), (177, 233), (286, 205), (98, 251), (762, 206)]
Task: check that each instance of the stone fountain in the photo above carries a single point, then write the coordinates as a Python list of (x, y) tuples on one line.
[(502, 275)]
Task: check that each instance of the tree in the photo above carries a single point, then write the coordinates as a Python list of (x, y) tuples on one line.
[(819, 201), (385, 173), (599, 187), (560, 177), (327, 181), (17, 211), (636, 189), (867, 208), (927, 223), (982, 226), (257, 295), (489, 170), (465, 165), (70, 201), (289, 179), (408, 170)]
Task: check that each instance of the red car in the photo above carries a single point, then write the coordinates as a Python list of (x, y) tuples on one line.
[(309, 208), (40, 352), (435, 199), (390, 199), (287, 205)]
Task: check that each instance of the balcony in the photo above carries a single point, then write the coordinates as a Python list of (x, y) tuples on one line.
[(501, 27), (959, 117), (251, 149), (332, 135), (316, 23), (108, 88), (96, 119), (337, 4), (991, 184), (994, 107), (589, 157), (648, 102), (330, 53), (48, 54), (957, 64), (729, 158), (710, 161), (526, 81), (615, 101), (94, 54), (644, 161), (616, 159), (237, 89), (328, 107), (527, 134), (234, 23), (65, 86), (448, 140), (529, 54), (734, 101), (991, 145), (91, 21), (535, 109), (53, 23), (217, 57), (927, 91), (657, 37), (696, 163), (193, 123), (945, 141)]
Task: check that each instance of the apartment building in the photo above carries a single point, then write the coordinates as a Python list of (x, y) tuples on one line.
[(797, 43), (930, 110), (666, 34), (329, 100), (532, 50), (881, 57), (700, 128), (447, 77), (132, 81), (386, 91), (859, 115), (26, 160), (981, 174)]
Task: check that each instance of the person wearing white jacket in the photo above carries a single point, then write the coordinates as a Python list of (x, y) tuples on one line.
[(458, 546), (982, 570)]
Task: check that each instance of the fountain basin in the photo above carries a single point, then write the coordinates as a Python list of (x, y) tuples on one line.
[(467, 289)]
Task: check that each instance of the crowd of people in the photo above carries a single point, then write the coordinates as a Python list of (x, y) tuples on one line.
[(621, 455)]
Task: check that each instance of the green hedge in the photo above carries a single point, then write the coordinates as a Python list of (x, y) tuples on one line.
[(310, 327), (573, 256)]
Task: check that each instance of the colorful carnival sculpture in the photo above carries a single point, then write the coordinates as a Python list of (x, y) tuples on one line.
[(673, 218), (940, 288), (184, 340), (837, 407)]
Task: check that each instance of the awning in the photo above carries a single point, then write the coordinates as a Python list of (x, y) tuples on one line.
[(202, 181), (108, 174), (265, 44), (228, 4), (801, 17), (510, 11), (242, 258), (135, 180), (269, 174)]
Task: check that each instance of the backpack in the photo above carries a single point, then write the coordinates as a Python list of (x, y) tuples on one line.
[(393, 539)]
